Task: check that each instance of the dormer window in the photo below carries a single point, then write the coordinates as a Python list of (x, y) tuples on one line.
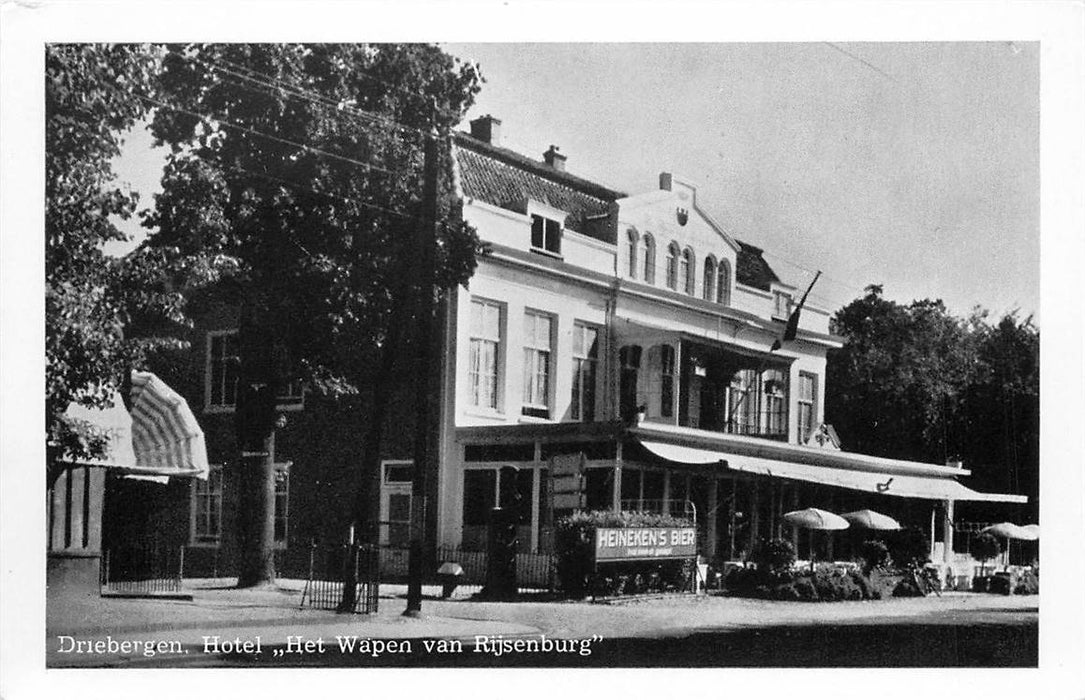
[(781, 307), (545, 234)]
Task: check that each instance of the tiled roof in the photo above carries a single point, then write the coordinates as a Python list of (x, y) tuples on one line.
[(505, 178), (751, 269)]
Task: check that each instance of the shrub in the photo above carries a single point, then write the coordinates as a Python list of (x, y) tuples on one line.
[(574, 543), (875, 555), (1028, 584), (774, 556), (985, 547), (980, 584), (908, 546), (1002, 585)]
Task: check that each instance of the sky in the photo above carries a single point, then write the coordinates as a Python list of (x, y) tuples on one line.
[(910, 165)]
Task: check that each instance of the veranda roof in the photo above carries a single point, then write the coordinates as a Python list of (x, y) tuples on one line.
[(814, 465)]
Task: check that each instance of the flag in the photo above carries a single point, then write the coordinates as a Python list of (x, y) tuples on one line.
[(792, 327)]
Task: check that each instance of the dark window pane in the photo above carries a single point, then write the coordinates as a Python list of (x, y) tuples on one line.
[(599, 488), (524, 452), (478, 495), (537, 232), (592, 450)]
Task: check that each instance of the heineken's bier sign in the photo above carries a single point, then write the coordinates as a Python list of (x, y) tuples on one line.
[(626, 543)]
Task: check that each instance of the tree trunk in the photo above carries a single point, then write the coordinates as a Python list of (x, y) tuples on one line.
[(255, 428)]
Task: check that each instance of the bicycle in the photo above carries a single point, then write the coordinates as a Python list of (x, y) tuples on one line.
[(926, 580)]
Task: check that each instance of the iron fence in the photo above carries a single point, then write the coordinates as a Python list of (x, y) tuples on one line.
[(351, 569), (534, 571), (142, 569)]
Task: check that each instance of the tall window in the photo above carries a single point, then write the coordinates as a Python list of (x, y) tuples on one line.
[(223, 362), (774, 402), (282, 503), (536, 396), (545, 234), (672, 265), (781, 305), (485, 353), (585, 360), (741, 402), (207, 508), (807, 404), (709, 278), (666, 383), (629, 358), (649, 259), (723, 287), (688, 271), (632, 252)]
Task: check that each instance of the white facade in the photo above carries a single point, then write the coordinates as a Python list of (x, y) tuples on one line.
[(517, 348)]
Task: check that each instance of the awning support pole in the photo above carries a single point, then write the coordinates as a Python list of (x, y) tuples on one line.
[(947, 533)]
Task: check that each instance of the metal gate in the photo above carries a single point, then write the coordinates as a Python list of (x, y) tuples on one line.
[(142, 569), (354, 569)]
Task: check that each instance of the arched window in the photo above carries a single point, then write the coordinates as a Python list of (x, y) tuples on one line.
[(709, 278), (633, 242), (649, 259), (673, 253), (689, 271), (723, 287)]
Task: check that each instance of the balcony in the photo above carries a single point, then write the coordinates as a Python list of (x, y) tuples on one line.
[(709, 387)]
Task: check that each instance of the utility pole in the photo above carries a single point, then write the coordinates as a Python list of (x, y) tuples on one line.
[(427, 392)]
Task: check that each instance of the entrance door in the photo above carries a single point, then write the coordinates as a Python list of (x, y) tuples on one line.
[(395, 514)]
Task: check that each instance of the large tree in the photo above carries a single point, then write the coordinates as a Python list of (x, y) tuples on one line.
[(916, 382), (92, 298), (302, 164)]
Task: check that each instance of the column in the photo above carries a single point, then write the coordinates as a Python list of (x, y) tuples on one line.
[(711, 521), (947, 533), (616, 492)]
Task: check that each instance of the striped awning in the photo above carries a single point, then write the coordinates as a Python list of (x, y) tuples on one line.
[(165, 434), (157, 439)]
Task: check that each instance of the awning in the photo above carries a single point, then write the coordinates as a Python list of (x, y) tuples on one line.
[(932, 487), (160, 438)]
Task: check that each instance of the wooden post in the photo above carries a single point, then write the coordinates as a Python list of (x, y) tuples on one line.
[(947, 533)]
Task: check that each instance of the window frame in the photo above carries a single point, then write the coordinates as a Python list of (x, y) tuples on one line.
[(810, 403), (215, 477), (687, 271), (788, 306), (649, 258), (473, 393), (673, 254), (585, 362), (708, 283), (533, 351), (723, 282), (292, 398), (552, 230), (631, 262), (209, 368)]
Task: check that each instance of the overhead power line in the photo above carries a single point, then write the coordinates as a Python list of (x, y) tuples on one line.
[(262, 134)]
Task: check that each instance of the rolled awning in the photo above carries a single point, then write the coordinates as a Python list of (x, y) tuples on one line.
[(881, 482), (160, 438)]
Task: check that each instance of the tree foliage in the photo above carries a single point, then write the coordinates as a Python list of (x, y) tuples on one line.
[(91, 298), (280, 164), (915, 382), (302, 165)]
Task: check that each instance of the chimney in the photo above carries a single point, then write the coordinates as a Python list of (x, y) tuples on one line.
[(488, 129), (554, 159)]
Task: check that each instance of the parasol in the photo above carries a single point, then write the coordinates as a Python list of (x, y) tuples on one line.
[(871, 520), (816, 519)]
